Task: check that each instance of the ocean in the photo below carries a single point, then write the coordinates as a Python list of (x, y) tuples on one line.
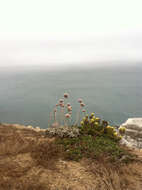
[(29, 94)]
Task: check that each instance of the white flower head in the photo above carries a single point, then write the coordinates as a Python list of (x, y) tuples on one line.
[(66, 95), (80, 100), (69, 108), (68, 104), (67, 115), (61, 101), (83, 110), (82, 104)]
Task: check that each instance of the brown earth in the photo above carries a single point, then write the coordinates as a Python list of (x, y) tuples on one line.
[(29, 161)]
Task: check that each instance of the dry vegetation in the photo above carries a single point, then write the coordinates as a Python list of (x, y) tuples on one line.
[(29, 161)]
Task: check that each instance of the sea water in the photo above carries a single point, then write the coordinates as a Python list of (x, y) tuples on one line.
[(28, 95)]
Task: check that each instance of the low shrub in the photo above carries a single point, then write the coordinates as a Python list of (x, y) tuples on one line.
[(89, 146)]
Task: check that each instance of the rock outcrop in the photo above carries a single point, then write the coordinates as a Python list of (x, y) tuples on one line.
[(133, 135)]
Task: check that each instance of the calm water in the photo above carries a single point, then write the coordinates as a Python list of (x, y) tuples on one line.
[(28, 95)]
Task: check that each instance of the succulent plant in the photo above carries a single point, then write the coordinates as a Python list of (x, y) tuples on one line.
[(63, 131)]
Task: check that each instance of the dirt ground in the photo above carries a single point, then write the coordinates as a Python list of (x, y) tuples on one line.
[(28, 161)]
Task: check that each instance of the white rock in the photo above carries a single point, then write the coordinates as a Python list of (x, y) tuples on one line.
[(133, 134), (133, 123), (30, 127)]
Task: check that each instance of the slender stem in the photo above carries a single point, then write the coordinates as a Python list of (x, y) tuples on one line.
[(66, 122), (50, 118), (78, 116), (54, 116), (64, 119), (60, 119), (70, 121)]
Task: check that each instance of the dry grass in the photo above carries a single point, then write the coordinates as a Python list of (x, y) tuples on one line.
[(28, 161), (21, 184), (109, 177), (46, 154)]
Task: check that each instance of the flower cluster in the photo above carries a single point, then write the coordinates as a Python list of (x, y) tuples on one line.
[(95, 126), (80, 101), (90, 124), (122, 130), (63, 112)]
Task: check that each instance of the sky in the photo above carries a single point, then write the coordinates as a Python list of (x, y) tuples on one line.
[(70, 32)]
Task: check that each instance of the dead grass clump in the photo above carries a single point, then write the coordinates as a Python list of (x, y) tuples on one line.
[(12, 169), (110, 177), (22, 184), (14, 144), (46, 154)]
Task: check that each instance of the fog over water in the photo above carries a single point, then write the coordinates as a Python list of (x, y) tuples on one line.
[(89, 51)]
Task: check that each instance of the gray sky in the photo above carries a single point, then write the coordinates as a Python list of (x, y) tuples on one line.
[(70, 31)]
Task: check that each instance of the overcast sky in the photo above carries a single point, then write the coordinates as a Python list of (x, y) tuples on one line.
[(57, 32)]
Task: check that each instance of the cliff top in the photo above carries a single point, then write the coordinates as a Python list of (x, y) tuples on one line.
[(29, 160)]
